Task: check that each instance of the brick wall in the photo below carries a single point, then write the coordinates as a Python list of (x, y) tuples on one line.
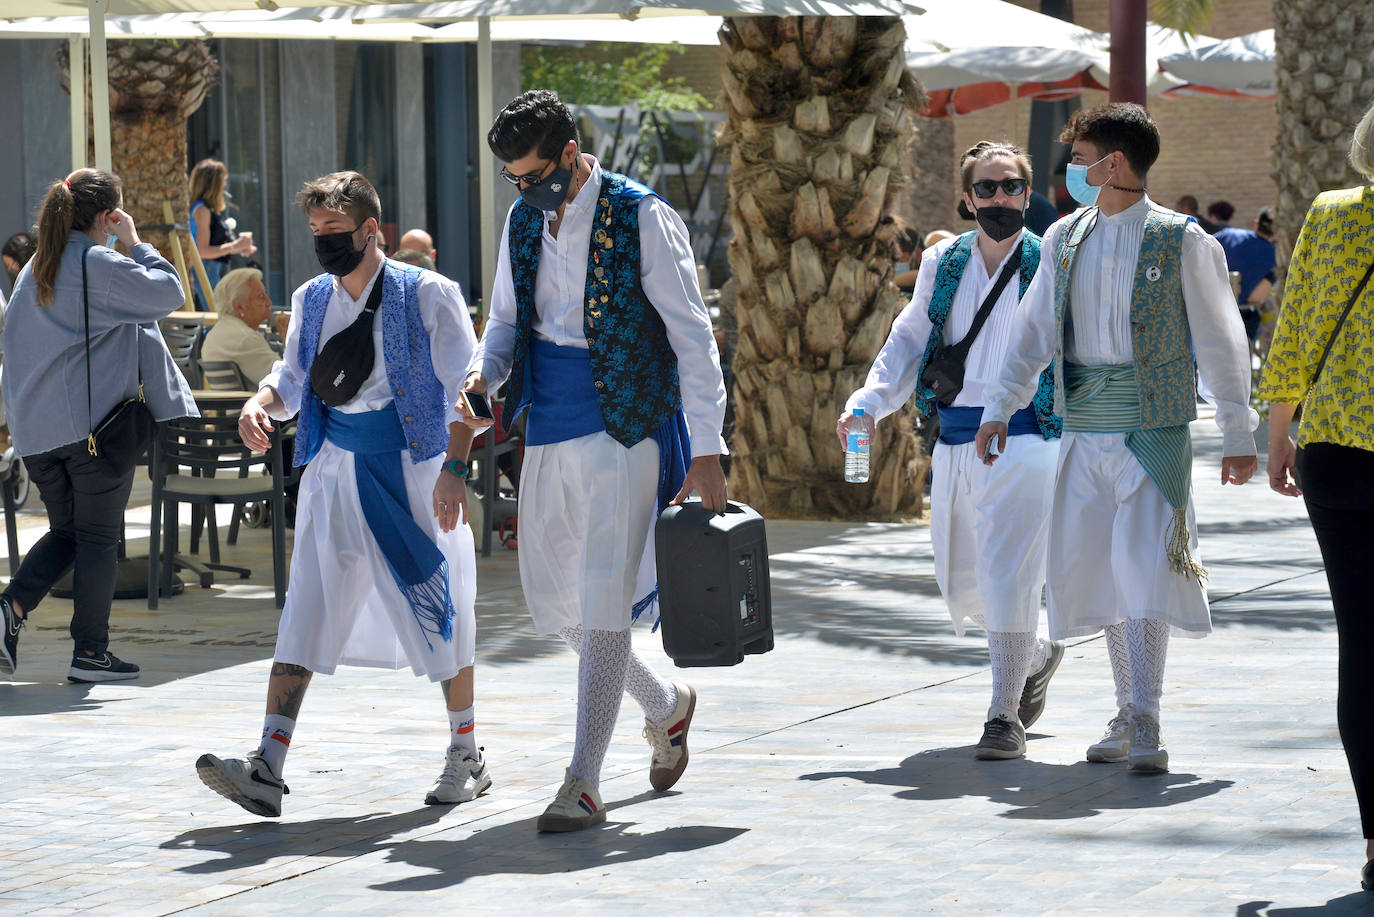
[(1213, 148)]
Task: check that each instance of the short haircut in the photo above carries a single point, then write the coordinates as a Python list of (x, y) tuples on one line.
[(1186, 204), (20, 247), (1117, 127), (348, 192), (1264, 223), (417, 258), (909, 239), (984, 150), (232, 286), (536, 121), (1362, 145), (1221, 211)]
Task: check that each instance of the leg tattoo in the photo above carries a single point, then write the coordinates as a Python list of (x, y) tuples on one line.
[(286, 689)]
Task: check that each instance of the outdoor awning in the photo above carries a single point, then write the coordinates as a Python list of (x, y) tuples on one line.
[(1240, 68)]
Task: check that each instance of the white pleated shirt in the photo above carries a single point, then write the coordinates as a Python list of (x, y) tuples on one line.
[(668, 277), (892, 378), (1099, 330)]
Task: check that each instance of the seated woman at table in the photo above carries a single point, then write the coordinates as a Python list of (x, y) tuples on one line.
[(243, 305)]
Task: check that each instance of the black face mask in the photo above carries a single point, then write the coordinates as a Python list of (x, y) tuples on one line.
[(550, 193), (336, 253), (1000, 222)]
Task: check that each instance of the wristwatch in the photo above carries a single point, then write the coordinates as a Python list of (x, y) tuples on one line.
[(459, 468)]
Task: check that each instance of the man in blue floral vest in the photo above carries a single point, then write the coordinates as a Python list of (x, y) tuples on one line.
[(598, 325), (1133, 306)]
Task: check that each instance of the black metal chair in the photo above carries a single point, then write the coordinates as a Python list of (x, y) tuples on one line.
[(224, 375), (201, 461), (183, 337)]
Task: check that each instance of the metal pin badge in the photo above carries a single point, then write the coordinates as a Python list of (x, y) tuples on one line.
[(1153, 273)]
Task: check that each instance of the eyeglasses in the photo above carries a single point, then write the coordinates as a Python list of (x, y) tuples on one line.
[(532, 178), (986, 188)]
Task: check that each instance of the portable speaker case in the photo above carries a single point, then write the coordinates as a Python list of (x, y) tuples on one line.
[(715, 604)]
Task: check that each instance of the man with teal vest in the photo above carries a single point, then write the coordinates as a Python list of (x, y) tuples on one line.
[(1133, 306), (598, 324)]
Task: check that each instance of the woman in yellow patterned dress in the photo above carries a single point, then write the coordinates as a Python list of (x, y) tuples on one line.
[(1327, 366)]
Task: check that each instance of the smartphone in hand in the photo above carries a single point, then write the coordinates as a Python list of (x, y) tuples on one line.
[(478, 406)]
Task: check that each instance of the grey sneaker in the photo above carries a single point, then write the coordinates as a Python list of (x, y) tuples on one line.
[(577, 806), (1033, 694), (10, 625), (668, 740), (1002, 740), (1115, 744), (464, 778), (1148, 754), (249, 783)]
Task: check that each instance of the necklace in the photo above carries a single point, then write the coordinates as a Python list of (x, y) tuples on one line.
[(1127, 190)]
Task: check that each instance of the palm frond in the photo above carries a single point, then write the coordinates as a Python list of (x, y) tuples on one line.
[(1187, 17)]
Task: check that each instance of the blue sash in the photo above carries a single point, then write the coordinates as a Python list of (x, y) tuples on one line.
[(565, 406), (377, 441), (959, 425)]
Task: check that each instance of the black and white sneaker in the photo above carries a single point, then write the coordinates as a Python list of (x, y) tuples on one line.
[(9, 640), (104, 666), (249, 783)]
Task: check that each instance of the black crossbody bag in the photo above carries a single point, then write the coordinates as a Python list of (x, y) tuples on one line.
[(127, 431), (944, 371), (346, 359)]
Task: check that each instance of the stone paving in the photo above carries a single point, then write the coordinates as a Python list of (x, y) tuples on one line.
[(832, 776)]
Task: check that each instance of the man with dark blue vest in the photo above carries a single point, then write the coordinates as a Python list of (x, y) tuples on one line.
[(383, 572), (598, 324), (1133, 306)]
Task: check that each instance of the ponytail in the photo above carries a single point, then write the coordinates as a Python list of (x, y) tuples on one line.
[(72, 203)]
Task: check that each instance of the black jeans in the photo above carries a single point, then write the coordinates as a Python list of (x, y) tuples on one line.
[(1340, 502), (85, 508)]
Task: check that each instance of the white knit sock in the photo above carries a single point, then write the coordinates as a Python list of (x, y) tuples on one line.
[(601, 668), (276, 741), (656, 697), (462, 731), (1147, 641), (1011, 655), (1121, 663)]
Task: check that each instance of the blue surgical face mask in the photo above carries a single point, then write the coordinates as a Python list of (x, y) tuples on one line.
[(111, 241), (1076, 182)]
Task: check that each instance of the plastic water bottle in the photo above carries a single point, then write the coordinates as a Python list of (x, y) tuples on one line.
[(856, 452)]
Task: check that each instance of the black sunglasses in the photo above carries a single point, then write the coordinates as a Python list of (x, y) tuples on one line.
[(986, 188), (532, 178)]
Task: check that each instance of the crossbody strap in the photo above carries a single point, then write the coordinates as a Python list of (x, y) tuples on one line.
[(1012, 266), (86, 310), (1340, 323)]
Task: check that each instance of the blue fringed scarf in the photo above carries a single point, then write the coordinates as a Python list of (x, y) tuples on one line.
[(377, 441)]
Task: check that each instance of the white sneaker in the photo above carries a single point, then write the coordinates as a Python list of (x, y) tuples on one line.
[(577, 806), (1115, 744), (249, 783), (1148, 754), (668, 739), (464, 779)]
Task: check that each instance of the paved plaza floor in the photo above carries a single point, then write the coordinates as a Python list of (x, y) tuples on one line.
[(834, 775)]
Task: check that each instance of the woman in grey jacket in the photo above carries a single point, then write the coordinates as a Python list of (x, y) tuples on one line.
[(52, 410)]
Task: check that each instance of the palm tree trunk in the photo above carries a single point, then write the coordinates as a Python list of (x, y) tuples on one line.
[(818, 131)]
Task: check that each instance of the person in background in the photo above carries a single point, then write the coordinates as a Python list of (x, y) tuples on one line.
[(935, 237), (1250, 253), (1040, 213), (1187, 205), (209, 230), (243, 305), (415, 257), (1220, 213), (907, 248), (17, 251), (77, 284), (1332, 463), (989, 532), (420, 241)]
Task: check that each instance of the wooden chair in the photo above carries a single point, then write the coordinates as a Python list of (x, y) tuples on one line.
[(201, 461), (183, 336)]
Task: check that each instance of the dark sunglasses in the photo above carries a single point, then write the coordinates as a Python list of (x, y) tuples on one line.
[(532, 178), (986, 188)]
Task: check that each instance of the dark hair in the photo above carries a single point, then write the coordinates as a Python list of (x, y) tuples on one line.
[(71, 203), (20, 247), (1221, 211), (348, 192), (1186, 204), (1264, 223), (535, 121), (908, 239), (1117, 127)]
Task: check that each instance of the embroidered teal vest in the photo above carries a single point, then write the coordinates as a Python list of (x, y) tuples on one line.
[(634, 367), (947, 276), (1160, 339)]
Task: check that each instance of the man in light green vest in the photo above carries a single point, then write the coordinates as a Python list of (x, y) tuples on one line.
[(1133, 305)]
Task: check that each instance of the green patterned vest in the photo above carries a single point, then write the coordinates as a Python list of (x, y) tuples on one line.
[(1160, 340)]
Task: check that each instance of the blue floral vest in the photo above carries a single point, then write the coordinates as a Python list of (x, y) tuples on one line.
[(419, 397), (634, 367), (947, 277)]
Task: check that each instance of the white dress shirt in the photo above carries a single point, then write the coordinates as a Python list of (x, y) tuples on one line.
[(892, 379), (1099, 327), (668, 277), (442, 311)]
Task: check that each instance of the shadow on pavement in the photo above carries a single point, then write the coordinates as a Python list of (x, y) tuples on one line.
[(1354, 903), (1032, 789)]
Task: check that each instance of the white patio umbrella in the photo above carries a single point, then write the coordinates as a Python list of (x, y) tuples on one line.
[(1240, 67)]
